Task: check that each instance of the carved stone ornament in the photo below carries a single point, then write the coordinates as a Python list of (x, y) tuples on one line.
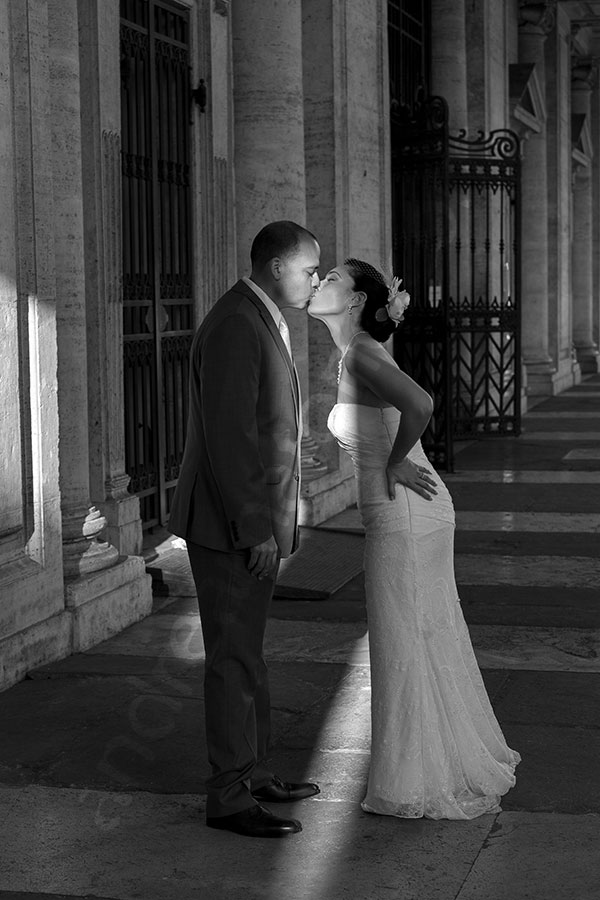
[(537, 15), (583, 72), (222, 7)]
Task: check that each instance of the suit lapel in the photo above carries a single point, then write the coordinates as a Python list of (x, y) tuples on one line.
[(242, 288)]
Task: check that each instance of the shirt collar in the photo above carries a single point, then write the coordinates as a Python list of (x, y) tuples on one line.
[(272, 307)]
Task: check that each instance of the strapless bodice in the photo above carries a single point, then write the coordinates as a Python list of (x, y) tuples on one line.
[(367, 433)]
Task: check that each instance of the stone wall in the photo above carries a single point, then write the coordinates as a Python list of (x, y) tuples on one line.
[(64, 586)]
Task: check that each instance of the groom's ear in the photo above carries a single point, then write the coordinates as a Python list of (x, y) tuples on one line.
[(275, 268)]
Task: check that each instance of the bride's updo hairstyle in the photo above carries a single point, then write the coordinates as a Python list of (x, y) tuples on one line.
[(369, 280)]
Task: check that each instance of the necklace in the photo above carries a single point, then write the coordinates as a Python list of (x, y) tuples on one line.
[(356, 333)]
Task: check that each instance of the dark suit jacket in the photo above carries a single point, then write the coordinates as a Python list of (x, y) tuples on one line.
[(240, 476)]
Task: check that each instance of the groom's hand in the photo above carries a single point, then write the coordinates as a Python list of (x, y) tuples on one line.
[(264, 559), (412, 476)]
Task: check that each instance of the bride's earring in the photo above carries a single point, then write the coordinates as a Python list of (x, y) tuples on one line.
[(350, 308)]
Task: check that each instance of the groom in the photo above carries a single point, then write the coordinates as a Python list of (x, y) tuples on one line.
[(236, 505)]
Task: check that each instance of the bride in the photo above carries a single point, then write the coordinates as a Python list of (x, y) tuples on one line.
[(436, 747)]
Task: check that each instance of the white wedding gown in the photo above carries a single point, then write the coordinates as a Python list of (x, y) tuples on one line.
[(436, 747)]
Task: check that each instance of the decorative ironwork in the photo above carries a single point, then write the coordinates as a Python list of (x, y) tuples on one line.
[(456, 221), (483, 297), (420, 251), (157, 278)]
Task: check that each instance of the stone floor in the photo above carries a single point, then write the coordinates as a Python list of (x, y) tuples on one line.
[(102, 759)]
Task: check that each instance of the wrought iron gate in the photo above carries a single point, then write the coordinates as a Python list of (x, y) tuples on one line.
[(157, 263), (456, 243)]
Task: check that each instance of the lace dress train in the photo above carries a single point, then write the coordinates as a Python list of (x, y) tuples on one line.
[(436, 747)]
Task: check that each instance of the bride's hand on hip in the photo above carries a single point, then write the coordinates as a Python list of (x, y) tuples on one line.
[(412, 476)]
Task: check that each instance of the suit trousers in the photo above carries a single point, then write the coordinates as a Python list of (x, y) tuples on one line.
[(234, 606)]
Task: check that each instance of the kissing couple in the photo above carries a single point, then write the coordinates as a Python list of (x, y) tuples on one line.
[(437, 750)]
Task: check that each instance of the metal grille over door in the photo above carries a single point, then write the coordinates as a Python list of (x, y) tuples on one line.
[(483, 298), (420, 251), (456, 221), (157, 285)]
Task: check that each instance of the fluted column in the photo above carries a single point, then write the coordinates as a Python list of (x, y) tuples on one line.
[(82, 524), (101, 164), (536, 21), (586, 349), (269, 132)]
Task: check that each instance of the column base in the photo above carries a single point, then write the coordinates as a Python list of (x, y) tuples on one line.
[(588, 359), (103, 603), (123, 524), (327, 495), (34, 646), (541, 379), (568, 374)]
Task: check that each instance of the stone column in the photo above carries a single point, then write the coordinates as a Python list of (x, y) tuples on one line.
[(559, 143), (536, 21), (595, 123), (348, 195), (582, 248), (448, 59), (101, 163), (269, 132), (81, 523), (34, 626), (102, 592), (269, 150)]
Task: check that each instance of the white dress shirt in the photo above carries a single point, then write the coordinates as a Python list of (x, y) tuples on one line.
[(275, 313)]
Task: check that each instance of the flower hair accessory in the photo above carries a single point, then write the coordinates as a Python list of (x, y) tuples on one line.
[(398, 301)]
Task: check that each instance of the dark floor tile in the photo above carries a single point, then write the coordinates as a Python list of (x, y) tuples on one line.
[(518, 454), (580, 498), (529, 595), (528, 543), (135, 733), (565, 699), (532, 606), (180, 606), (19, 895), (495, 681), (550, 423), (559, 771), (81, 665)]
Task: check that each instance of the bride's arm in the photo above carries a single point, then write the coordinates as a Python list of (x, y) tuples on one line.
[(375, 369)]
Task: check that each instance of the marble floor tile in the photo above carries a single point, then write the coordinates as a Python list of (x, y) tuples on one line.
[(537, 856), (508, 476), (581, 391), (502, 520), (156, 847), (583, 453), (546, 523), (560, 436), (536, 648), (562, 414)]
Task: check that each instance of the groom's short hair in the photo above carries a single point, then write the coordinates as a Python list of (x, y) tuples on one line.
[(277, 239)]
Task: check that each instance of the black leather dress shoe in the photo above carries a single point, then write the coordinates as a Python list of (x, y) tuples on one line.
[(256, 822), (279, 791)]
